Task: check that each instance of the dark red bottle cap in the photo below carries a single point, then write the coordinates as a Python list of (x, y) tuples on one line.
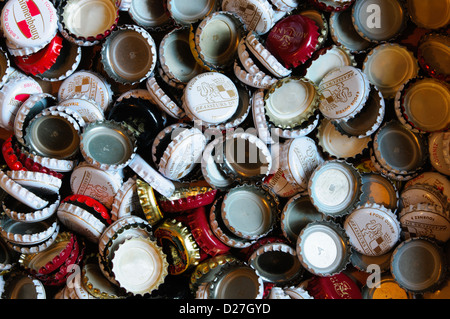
[(41, 61), (293, 40), (339, 286), (197, 221)]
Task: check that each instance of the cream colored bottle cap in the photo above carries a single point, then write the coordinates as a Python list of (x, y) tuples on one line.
[(344, 92), (210, 97)]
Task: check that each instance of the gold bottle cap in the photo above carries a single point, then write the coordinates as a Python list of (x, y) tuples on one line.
[(179, 244), (148, 202)]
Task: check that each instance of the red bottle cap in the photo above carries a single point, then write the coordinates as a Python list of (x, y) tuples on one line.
[(93, 204), (41, 61), (339, 286), (293, 40), (198, 222)]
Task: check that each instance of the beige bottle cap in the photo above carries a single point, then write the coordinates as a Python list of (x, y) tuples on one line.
[(373, 230), (433, 14), (299, 158), (338, 145), (291, 101), (389, 77), (258, 15), (85, 22), (344, 91), (214, 41)]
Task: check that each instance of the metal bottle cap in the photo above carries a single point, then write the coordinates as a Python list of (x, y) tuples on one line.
[(425, 220), (434, 15), (258, 15), (89, 83), (128, 54), (389, 78), (339, 145), (175, 57), (276, 263), (323, 248), (186, 14), (293, 40), (291, 101), (86, 22), (343, 32), (107, 145), (236, 280), (177, 242), (369, 119), (398, 149), (249, 211), (326, 59), (377, 189), (214, 41), (335, 187), (12, 95), (385, 288), (55, 135), (245, 157), (430, 46), (390, 26), (139, 265), (297, 213), (424, 103), (418, 265)]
